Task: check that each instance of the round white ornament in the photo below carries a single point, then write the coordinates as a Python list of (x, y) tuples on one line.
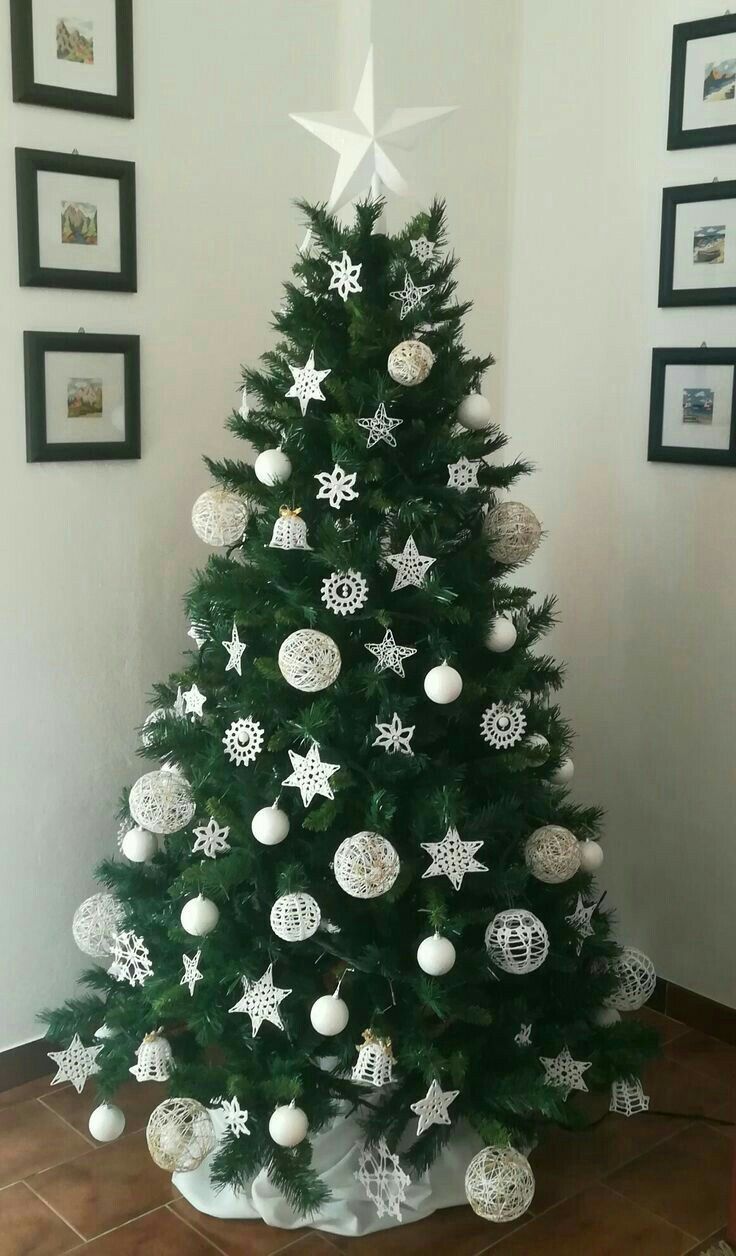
[(288, 1125), (637, 979), (295, 917), (180, 1135), (436, 955), (501, 635), (106, 1123), (219, 517), (162, 801), (499, 1184), (270, 825), (552, 854), (139, 845), (443, 684), (517, 941), (199, 916), (96, 922), (410, 362), (513, 532), (538, 745), (155, 717), (329, 1015), (309, 660), (606, 1016), (366, 865), (563, 774), (591, 856), (272, 467), (474, 412)]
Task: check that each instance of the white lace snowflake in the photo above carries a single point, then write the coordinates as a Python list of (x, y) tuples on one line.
[(243, 741), (191, 971), (564, 1072), (345, 592), (379, 427), (422, 248), (410, 295), (503, 724), (452, 858), (260, 1000), (236, 1118), (394, 737), (382, 1178), (345, 276), (628, 1098), (337, 486), (463, 473), (75, 1064), (432, 1109), (211, 839), (411, 566), (130, 959), (310, 775), (388, 654), (194, 702), (306, 386)]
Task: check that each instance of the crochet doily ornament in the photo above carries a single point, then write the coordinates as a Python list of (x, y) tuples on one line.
[(162, 801), (564, 1073), (410, 362), (513, 532), (366, 865), (131, 961), (345, 592), (309, 660), (75, 1064), (628, 1098), (96, 922), (503, 724), (636, 977), (180, 1135), (154, 1059), (219, 517), (289, 531), (499, 1184), (243, 741), (383, 1179), (375, 1063), (517, 941), (552, 854), (295, 917)]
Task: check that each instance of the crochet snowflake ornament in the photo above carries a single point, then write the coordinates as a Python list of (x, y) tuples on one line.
[(410, 295), (236, 1118), (411, 566), (345, 592), (211, 839), (379, 427), (345, 276), (432, 1109), (503, 724), (261, 1000), (564, 1072), (394, 738), (191, 971), (452, 858), (306, 386), (311, 776), (235, 649), (337, 486), (463, 474), (388, 654), (243, 741), (130, 959), (422, 248), (75, 1064), (382, 1178)]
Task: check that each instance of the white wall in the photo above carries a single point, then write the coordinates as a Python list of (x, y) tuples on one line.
[(641, 555), (98, 556)]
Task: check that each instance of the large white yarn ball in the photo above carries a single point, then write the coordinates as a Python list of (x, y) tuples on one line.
[(436, 955), (272, 467), (295, 917), (106, 1123), (501, 634), (513, 532), (309, 660), (139, 845), (199, 916), (564, 773), (288, 1125), (443, 684), (180, 1135), (270, 825), (219, 517), (162, 801), (552, 854), (637, 978), (410, 362), (474, 412), (517, 941), (96, 922), (329, 1015), (499, 1184), (366, 865), (591, 856)]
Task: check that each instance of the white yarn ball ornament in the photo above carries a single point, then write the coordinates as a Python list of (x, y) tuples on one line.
[(199, 916), (552, 854), (474, 412), (96, 922), (436, 955), (139, 845), (106, 1123), (443, 684), (499, 1184), (219, 517), (513, 532), (295, 917), (309, 660), (329, 1015), (606, 1016), (563, 774), (270, 825), (410, 362), (162, 801), (591, 856), (288, 1125), (501, 634), (517, 941), (366, 865), (637, 978), (180, 1135), (272, 467)]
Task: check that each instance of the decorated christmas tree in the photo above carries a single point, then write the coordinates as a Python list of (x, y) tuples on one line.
[(356, 828)]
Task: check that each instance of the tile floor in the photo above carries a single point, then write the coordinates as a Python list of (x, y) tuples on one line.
[(649, 1186)]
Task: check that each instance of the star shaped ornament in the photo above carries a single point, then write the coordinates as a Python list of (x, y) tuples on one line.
[(388, 654), (564, 1072), (581, 920), (311, 776), (193, 701), (235, 649), (306, 386), (394, 738), (345, 276), (337, 486), (236, 1118), (410, 296), (463, 474), (432, 1109), (191, 971), (211, 839), (411, 566), (452, 858), (422, 248), (75, 1064), (261, 1000), (379, 427)]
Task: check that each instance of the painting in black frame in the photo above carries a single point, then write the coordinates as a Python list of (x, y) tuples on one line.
[(72, 53), (76, 221), (697, 257), (692, 409), (703, 80), (82, 396)]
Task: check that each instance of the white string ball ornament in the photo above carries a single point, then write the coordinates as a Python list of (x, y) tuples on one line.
[(499, 1184), (295, 917), (162, 802), (410, 362), (309, 660), (96, 922), (180, 1135), (637, 978), (552, 854), (513, 532), (366, 865), (517, 941), (219, 517)]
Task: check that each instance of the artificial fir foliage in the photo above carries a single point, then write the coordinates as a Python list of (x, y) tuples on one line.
[(388, 512)]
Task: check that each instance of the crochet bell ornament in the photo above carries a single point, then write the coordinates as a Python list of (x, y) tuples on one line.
[(155, 1059), (289, 531)]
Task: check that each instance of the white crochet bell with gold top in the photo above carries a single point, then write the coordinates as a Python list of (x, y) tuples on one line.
[(290, 530)]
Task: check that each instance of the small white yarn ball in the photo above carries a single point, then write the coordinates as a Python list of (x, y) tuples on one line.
[(436, 955), (199, 916), (474, 412), (410, 362), (219, 517), (591, 856), (272, 467), (139, 845), (106, 1123), (552, 854), (366, 865), (637, 978), (162, 801), (270, 826), (309, 660), (288, 1125), (517, 941), (180, 1135), (443, 684), (563, 774), (295, 917), (606, 1016), (513, 532), (329, 1015), (499, 1184), (501, 634), (96, 922)]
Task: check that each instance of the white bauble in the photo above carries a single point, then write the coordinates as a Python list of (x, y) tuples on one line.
[(139, 845), (501, 635), (329, 1015), (591, 856), (309, 660), (563, 774), (443, 684), (270, 825), (106, 1123), (474, 412), (513, 532), (199, 916), (499, 1184), (517, 941), (272, 467), (162, 801), (410, 362), (637, 978), (552, 854), (606, 1016), (436, 955), (295, 917), (96, 922), (288, 1125), (219, 517)]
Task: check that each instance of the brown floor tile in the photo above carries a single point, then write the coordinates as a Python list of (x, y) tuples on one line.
[(238, 1238), (595, 1223), (685, 1180), (706, 1245), (706, 1055), (106, 1187), (32, 1138), (667, 1028), (29, 1228), (137, 1100), (29, 1090), (159, 1233), (313, 1244), (674, 1088), (456, 1231)]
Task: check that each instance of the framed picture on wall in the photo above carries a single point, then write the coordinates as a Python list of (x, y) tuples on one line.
[(73, 54), (692, 412), (76, 221), (697, 260), (703, 83), (82, 396)]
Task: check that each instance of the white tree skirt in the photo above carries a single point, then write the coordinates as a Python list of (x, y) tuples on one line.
[(335, 1158)]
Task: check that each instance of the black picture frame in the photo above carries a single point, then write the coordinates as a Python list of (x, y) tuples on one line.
[(682, 34), (28, 92), (659, 452), (671, 198), (28, 163), (36, 344)]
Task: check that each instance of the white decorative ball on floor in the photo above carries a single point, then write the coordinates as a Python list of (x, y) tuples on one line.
[(499, 1184), (637, 978), (563, 774), (180, 1135), (288, 1125), (443, 684), (436, 955), (272, 467), (329, 1015), (410, 362), (295, 917), (162, 801), (552, 854), (219, 517), (517, 941), (199, 916), (591, 856), (270, 825), (366, 865), (606, 1016), (501, 635), (139, 845), (474, 412), (96, 922), (106, 1123), (513, 532), (309, 660)]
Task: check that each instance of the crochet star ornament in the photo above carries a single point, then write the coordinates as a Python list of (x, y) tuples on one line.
[(193, 702), (236, 1118), (75, 1064), (432, 1109), (463, 473), (394, 737), (235, 650), (379, 427), (410, 295), (411, 567), (388, 654), (564, 1072), (261, 1000), (306, 386), (310, 775), (345, 276), (337, 486), (211, 839), (452, 858), (191, 971), (422, 248), (580, 919)]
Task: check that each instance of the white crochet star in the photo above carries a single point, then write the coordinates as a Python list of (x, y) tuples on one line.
[(345, 276), (432, 1109), (337, 486), (581, 918), (411, 566), (236, 1118), (307, 380), (235, 649), (311, 776), (452, 858), (422, 248), (463, 473), (394, 737), (261, 1000), (211, 839), (388, 654), (380, 426), (191, 971), (75, 1064), (410, 295), (193, 701), (564, 1072)]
